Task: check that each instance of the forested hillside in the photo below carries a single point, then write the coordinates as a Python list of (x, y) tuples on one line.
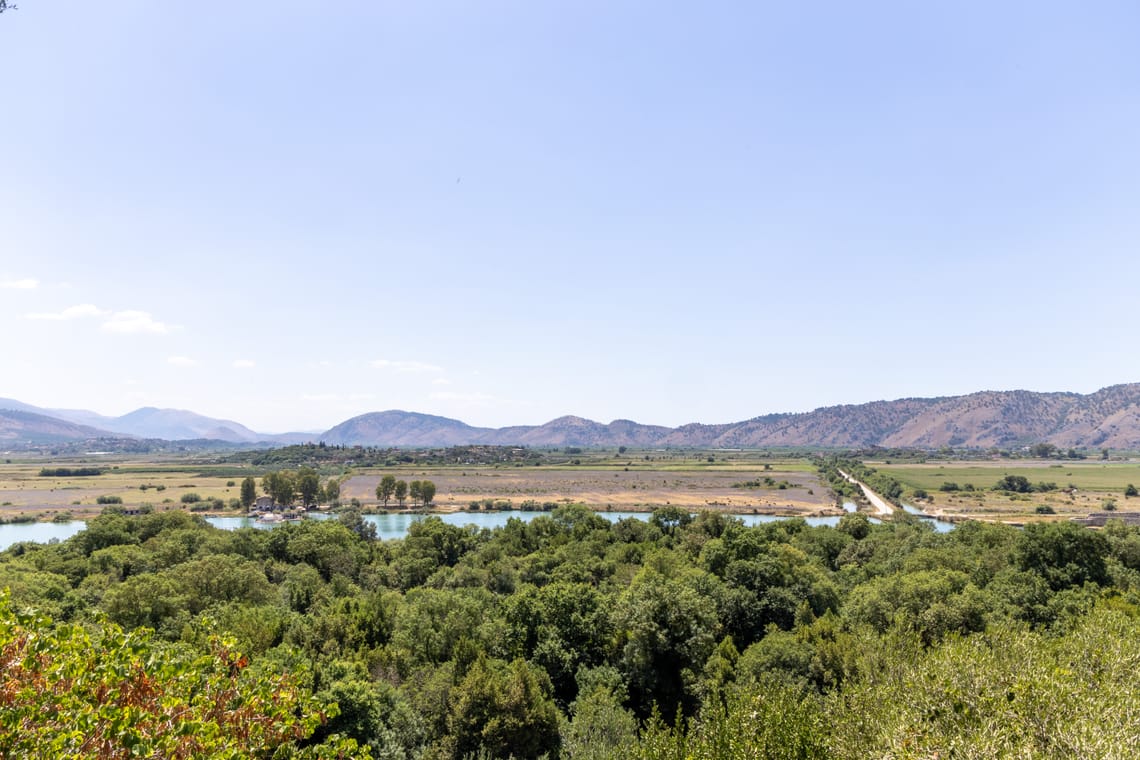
[(573, 637)]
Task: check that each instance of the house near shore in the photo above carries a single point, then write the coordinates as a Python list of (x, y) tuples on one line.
[(263, 504)]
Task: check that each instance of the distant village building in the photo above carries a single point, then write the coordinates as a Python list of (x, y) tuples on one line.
[(263, 504)]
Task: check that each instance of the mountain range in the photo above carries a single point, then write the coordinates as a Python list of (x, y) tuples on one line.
[(1109, 418), (20, 422)]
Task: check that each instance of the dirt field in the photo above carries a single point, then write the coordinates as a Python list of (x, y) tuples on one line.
[(643, 486), (606, 489)]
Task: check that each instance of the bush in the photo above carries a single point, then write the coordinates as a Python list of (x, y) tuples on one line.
[(109, 500), (1130, 490), (191, 498), (1014, 483), (1045, 509)]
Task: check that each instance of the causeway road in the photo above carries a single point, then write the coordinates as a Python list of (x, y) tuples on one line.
[(878, 502)]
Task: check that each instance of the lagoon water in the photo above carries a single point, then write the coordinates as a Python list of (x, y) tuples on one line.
[(940, 526), (396, 525), (40, 532), (388, 526)]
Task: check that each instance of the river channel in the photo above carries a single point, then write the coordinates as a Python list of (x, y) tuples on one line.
[(388, 526)]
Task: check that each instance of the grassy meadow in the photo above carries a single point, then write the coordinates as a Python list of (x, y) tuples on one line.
[(1082, 487), (25, 493)]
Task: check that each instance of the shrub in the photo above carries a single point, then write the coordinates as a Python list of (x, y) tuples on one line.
[(191, 498), (109, 500), (1014, 483)]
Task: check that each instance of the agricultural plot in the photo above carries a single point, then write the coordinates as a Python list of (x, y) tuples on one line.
[(25, 493), (734, 488), (740, 482), (1071, 489)]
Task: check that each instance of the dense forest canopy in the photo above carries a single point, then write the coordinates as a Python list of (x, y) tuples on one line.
[(574, 637)]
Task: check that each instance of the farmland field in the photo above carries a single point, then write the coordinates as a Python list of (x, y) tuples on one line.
[(623, 488), (1081, 487), (600, 481), (25, 493)]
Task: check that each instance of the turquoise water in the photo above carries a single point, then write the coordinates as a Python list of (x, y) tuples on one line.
[(40, 532), (396, 525), (388, 526), (940, 526)]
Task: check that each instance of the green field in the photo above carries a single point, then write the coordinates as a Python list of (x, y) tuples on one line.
[(1085, 476)]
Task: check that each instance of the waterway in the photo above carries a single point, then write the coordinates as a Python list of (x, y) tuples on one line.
[(396, 525), (389, 526), (940, 526)]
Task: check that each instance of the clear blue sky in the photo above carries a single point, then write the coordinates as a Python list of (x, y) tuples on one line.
[(289, 213)]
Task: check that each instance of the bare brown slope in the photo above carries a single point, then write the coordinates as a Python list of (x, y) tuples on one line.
[(985, 419), (848, 425), (1109, 417)]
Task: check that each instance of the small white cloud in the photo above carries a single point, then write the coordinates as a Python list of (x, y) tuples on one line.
[(181, 361), (25, 284), (114, 321), (361, 396), (441, 381), (134, 322), (82, 311), (405, 366), (320, 397), (244, 364)]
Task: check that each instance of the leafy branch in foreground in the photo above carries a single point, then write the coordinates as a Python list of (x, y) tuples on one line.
[(112, 694)]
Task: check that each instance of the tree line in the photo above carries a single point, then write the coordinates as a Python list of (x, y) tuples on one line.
[(422, 492), (573, 637), (287, 487)]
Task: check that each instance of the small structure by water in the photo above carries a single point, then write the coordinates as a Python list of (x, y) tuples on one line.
[(1100, 519)]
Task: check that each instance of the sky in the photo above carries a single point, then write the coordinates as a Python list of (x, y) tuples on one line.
[(290, 213)]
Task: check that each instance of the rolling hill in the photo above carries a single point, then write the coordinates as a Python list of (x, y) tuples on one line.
[(1109, 418), (147, 422), (20, 427)]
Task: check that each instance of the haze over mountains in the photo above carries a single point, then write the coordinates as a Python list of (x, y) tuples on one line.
[(1108, 418), (147, 422)]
